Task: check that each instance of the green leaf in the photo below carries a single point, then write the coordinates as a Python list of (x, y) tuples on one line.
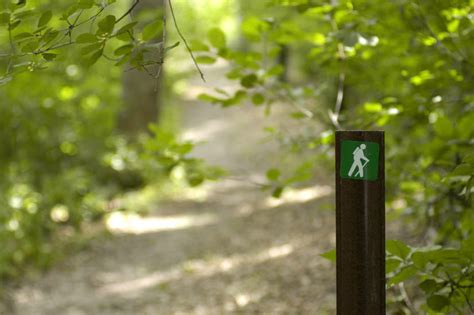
[(195, 180), (205, 59), (397, 248), (404, 274), (258, 99), (391, 264), (465, 125), (49, 56), (184, 148), (23, 36), (420, 259), (19, 3), (273, 174), (253, 27), (123, 60), (126, 28), (330, 255), (90, 48), (216, 38), (208, 98), (123, 50), (277, 192), (14, 24), (30, 46), (453, 26), (437, 302), (106, 25), (92, 59), (236, 99), (86, 38), (124, 36), (298, 115), (49, 36), (443, 127), (45, 18), (469, 158), (463, 170), (373, 107), (467, 246), (152, 30), (170, 47), (448, 256), (249, 80), (429, 286), (24, 14), (85, 4)]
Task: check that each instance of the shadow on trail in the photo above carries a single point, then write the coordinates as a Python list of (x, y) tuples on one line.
[(228, 249), (250, 257)]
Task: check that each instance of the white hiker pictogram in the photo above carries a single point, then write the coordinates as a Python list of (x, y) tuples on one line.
[(358, 157)]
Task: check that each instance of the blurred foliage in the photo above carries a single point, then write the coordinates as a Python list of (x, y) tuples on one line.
[(62, 158), (401, 66)]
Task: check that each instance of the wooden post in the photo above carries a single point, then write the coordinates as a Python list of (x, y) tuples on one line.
[(360, 222)]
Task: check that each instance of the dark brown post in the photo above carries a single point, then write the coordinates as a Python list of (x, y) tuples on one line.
[(360, 222)]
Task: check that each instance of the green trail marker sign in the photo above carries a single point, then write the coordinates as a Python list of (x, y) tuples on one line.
[(359, 160)]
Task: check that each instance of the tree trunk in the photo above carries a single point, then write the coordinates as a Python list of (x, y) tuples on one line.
[(141, 91), (284, 60)]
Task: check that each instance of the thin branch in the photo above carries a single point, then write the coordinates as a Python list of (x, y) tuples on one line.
[(128, 11), (334, 116), (110, 58), (85, 21), (77, 18), (243, 179), (406, 299), (339, 98), (162, 47), (12, 48), (185, 42), (51, 48)]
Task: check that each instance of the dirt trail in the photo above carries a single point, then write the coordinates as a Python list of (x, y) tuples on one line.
[(225, 248)]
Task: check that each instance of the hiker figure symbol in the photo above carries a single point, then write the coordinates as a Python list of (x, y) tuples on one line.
[(360, 161)]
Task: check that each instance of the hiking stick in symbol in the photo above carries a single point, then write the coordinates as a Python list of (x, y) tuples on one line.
[(358, 157)]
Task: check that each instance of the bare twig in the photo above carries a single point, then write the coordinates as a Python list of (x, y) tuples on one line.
[(86, 20), (128, 11), (334, 116), (406, 299), (185, 42), (77, 18), (162, 47), (110, 58), (12, 48)]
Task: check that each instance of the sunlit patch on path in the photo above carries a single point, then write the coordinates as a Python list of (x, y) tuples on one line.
[(295, 196), (225, 247), (198, 268), (119, 222)]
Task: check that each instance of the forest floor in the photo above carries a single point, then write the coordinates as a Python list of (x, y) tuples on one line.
[(224, 248)]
